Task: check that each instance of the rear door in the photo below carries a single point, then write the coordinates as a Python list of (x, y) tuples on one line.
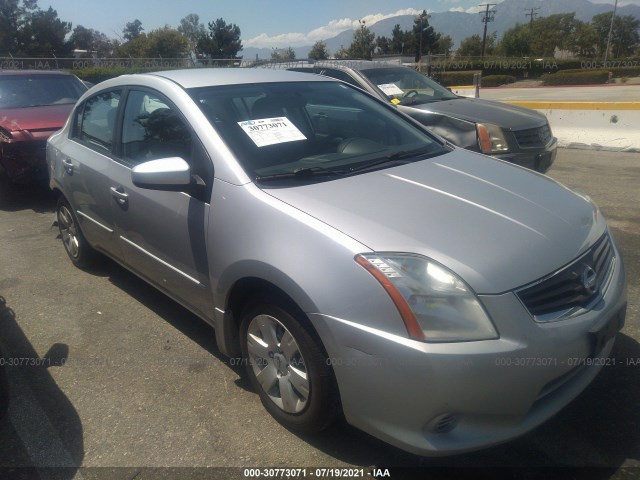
[(87, 161), (163, 234)]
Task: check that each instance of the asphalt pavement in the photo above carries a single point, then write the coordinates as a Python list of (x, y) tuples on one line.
[(118, 379)]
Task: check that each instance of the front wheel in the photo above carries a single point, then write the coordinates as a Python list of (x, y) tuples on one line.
[(288, 369)]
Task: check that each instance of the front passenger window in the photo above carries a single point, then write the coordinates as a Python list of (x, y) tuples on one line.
[(152, 129)]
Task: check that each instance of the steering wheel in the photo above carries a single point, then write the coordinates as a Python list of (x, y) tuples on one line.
[(410, 94)]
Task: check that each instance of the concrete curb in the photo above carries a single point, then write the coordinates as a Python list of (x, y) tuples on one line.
[(592, 125)]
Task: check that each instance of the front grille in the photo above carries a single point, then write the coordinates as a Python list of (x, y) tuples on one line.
[(533, 137), (576, 285)]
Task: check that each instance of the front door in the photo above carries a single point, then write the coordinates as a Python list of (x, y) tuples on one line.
[(163, 234)]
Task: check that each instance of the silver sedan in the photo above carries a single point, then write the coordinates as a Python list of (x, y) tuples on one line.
[(439, 299)]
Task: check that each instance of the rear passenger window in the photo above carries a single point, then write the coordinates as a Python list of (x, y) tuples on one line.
[(96, 121), (153, 129)]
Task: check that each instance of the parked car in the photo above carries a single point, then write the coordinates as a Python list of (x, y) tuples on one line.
[(515, 134), (33, 105), (441, 300)]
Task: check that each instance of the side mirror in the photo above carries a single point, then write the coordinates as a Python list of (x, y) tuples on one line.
[(164, 173)]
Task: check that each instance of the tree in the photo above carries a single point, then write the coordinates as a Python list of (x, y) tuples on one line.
[(549, 33), (136, 48), (584, 40), (383, 45), (9, 15), (191, 28), (132, 30), (163, 42), (342, 53), (319, 51), (426, 36), (92, 41), (221, 41), (283, 54), (363, 43), (445, 44), (401, 40), (624, 36), (43, 34), (516, 42), (166, 42), (27, 30), (471, 46)]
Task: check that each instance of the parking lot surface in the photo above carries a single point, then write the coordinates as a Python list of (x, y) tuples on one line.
[(118, 375)]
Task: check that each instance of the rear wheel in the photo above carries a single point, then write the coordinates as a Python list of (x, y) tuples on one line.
[(288, 369), (76, 246)]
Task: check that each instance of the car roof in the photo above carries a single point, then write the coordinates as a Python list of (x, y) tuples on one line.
[(357, 64), (33, 72), (205, 77), (334, 63)]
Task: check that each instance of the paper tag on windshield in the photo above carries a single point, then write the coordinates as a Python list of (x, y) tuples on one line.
[(271, 131), (390, 89)]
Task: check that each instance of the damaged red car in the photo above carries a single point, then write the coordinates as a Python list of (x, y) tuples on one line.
[(33, 105)]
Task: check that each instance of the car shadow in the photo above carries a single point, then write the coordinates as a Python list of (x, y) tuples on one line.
[(41, 435), (34, 196), (592, 437), (163, 306)]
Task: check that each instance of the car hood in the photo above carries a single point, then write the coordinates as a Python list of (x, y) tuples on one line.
[(496, 225), (47, 117), (484, 111)]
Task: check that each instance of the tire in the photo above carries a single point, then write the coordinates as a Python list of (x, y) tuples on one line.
[(76, 246), (288, 369)]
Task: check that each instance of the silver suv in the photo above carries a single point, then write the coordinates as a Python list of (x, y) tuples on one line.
[(441, 300)]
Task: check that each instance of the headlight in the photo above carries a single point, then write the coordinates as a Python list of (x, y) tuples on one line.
[(435, 304), (491, 138)]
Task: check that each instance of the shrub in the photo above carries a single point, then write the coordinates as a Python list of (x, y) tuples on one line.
[(576, 77), (497, 80), (449, 79)]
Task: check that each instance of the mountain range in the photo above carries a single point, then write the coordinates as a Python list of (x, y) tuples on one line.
[(460, 25)]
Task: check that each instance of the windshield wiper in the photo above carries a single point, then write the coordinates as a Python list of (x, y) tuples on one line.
[(400, 157), (300, 173)]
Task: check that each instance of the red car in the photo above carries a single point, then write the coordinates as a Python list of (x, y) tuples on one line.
[(33, 105)]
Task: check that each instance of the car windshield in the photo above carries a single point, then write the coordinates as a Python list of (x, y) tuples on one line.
[(311, 131), (22, 91), (407, 85)]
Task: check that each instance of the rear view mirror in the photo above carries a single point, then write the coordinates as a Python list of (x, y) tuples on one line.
[(164, 172)]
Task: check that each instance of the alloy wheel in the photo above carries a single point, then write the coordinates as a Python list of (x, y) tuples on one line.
[(278, 364)]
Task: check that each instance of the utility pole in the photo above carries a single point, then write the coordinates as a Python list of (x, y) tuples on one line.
[(362, 27), (532, 13), (422, 16), (487, 16), (606, 52)]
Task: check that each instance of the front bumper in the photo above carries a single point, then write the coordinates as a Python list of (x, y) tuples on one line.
[(22, 161), (439, 399), (538, 159)]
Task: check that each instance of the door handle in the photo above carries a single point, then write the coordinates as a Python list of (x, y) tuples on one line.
[(68, 166), (121, 197)]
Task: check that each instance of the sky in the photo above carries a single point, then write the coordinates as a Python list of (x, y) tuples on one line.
[(263, 24)]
